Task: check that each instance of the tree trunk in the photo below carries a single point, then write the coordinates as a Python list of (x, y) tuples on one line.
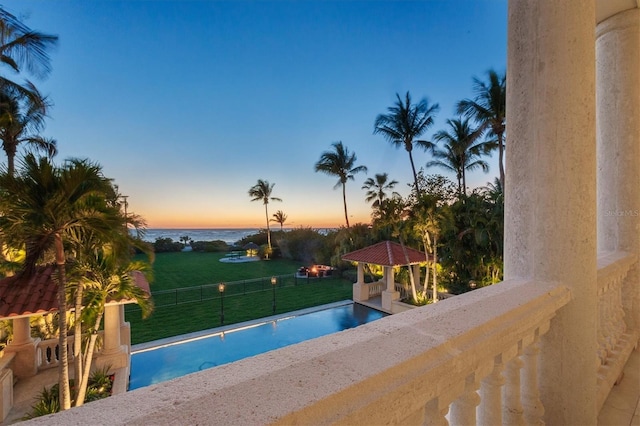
[(415, 175), (81, 387), (77, 334), (266, 214), (344, 200), (414, 293), (427, 244), (464, 182), (63, 377), (435, 263)]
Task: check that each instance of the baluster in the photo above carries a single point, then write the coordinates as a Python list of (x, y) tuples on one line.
[(619, 317), (490, 409), (602, 341), (532, 405), (512, 407), (434, 415), (463, 409)]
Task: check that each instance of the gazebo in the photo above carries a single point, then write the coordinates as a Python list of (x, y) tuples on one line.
[(387, 254), (24, 296), (251, 248)]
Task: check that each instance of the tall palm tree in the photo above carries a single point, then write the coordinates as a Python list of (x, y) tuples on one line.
[(489, 109), (280, 218), (377, 189), (261, 191), (404, 123), (21, 120), (43, 207), (21, 48), (462, 151), (341, 163)]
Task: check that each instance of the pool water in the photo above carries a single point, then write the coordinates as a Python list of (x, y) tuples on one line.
[(165, 362)]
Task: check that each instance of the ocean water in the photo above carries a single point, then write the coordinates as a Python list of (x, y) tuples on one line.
[(229, 236)]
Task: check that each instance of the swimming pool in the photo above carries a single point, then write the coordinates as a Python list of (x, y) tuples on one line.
[(170, 359)]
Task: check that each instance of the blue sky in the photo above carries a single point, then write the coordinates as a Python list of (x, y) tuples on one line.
[(186, 104)]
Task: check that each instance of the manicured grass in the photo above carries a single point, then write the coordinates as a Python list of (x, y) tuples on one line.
[(246, 300), (188, 269)]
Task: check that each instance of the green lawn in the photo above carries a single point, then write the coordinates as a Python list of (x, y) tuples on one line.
[(199, 308), (188, 269)]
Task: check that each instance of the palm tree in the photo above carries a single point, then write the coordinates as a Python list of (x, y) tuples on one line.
[(489, 109), (341, 163), (45, 206), (20, 122), (280, 218), (404, 123), (261, 191), (461, 151), (24, 49), (106, 275), (429, 215), (376, 189)]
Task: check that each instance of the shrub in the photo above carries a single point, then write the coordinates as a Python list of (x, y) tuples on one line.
[(210, 246), (163, 245)]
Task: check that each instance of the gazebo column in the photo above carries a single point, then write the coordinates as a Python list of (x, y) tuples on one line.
[(360, 289), (125, 330), (390, 294), (618, 140), (25, 363), (550, 195), (113, 354)]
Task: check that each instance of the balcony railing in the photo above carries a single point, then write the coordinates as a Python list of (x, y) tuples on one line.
[(470, 359), (48, 351)]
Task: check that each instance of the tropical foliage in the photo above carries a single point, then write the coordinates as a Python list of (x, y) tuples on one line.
[(341, 163), (489, 109), (261, 191), (23, 49), (404, 123), (65, 215)]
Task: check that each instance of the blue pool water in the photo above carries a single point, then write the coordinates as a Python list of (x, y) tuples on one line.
[(165, 362)]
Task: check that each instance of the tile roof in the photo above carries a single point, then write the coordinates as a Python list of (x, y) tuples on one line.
[(22, 295), (386, 253)]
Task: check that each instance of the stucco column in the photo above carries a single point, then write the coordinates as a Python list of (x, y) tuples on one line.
[(550, 191), (111, 329), (25, 363), (389, 294), (360, 289), (114, 354), (618, 141), (21, 331)]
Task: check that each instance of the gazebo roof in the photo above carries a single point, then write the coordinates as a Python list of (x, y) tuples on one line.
[(22, 295), (386, 253)]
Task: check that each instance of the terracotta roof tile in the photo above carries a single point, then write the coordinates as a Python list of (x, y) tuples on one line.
[(35, 294), (386, 253), (22, 295)]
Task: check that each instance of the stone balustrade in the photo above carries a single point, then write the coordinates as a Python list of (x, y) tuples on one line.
[(48, 351), (615, 339), (375, 288), (469, 359)]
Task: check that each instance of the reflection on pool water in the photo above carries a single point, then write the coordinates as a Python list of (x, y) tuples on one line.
[(175, 359)]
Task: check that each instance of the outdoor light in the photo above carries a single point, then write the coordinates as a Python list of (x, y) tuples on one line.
[(472, 284), (274, 281), (221, 290)]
